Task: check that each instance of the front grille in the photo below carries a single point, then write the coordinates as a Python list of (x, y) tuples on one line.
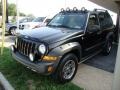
[(21, 26), (25, 47)]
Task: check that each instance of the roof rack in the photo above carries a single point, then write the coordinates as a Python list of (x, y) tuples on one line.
[(100, 10)]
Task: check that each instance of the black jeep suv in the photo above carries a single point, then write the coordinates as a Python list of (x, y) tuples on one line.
[(71, 37)]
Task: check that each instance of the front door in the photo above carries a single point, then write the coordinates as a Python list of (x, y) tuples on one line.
[(92, 36)]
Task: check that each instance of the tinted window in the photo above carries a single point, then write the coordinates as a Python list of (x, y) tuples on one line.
[(93, 20), (23, 20), (39, 19), (105, 20)]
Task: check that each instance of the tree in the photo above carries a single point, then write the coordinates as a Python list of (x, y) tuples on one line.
[(0, 8), (22, 14), (12, 9), (30, 15)]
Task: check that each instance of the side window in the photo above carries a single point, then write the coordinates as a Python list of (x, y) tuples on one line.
[(93, 20), (105, 20)]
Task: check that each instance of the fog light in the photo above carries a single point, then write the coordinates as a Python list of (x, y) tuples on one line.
[(31, 57), (50, 69)]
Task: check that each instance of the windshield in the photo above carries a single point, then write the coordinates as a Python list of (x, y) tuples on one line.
[(73, 21), (39, 19), (25, 20)]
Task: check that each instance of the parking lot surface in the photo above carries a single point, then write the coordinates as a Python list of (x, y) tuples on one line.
[(106, 63)]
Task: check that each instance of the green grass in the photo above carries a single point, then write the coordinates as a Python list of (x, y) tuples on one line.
[(22, 78)]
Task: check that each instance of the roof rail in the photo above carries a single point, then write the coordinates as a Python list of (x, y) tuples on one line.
[(100, 10)]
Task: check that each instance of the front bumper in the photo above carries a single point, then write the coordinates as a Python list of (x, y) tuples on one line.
[(39, 67)]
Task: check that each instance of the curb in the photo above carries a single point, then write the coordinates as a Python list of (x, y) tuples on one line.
[(5, 83)]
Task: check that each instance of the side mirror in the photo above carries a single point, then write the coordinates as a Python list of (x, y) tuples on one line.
[(93, 28)]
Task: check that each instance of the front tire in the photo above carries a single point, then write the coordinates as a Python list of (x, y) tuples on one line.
[(67, 68), (12, 30)]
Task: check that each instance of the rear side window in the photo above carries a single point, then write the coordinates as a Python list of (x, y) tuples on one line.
[(105, 20)]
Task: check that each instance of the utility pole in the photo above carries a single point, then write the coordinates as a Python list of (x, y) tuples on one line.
[(3, 23), (17, 9), (7, 20), (116, 81)]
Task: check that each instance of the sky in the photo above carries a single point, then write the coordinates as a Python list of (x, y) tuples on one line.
[(51, 7)]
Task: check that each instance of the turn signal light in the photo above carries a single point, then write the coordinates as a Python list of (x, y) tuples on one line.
[(49, 58)]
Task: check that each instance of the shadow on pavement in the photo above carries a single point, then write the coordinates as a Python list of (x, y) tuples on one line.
[(106, 63)]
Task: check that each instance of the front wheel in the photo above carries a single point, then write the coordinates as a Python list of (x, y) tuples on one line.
[(13, 30), (67, 68)]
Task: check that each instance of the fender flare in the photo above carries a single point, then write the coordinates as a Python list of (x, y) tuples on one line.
[(110, 34), (62, 50), (66, 48)]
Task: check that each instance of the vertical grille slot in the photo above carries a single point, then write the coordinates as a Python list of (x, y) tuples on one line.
[(25, 47)]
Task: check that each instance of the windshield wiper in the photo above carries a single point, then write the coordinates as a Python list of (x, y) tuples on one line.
[(64, 26), (61, 26)]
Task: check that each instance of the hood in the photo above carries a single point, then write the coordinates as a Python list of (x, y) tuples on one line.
[(31, 23), (50, 35)]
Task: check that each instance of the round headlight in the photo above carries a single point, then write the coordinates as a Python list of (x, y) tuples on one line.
[(31, 57), (42, 48)]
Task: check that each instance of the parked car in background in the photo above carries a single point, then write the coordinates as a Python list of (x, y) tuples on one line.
[(70, 38), (11, 27), (36, 23)]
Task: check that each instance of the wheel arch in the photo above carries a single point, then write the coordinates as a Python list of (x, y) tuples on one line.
[(72, 47), (12, 27), (76, 52), (63, 50), (110, 35)]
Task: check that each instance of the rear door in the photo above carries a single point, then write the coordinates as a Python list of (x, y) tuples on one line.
[(106, 24)]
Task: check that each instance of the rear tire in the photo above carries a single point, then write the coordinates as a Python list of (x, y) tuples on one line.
[(108, 46), (66, 69)]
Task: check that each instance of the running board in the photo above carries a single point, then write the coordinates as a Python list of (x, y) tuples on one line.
[(90, 56)]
